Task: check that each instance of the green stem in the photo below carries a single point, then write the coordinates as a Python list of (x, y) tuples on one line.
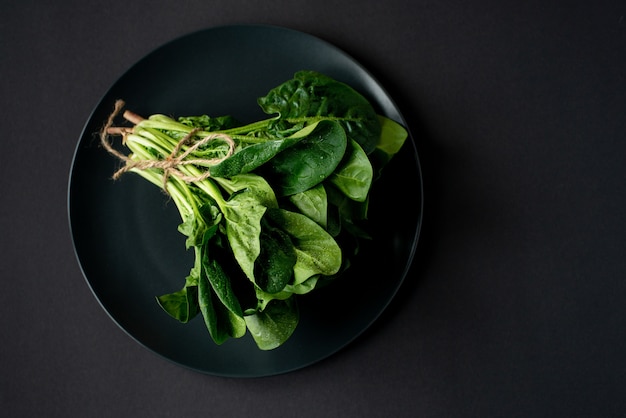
[(309, 119), (150, 138), (166, 123), (173, 189), (150, 141), (254, 126)]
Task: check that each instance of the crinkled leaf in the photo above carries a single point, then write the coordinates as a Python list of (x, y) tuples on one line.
[(208, 123), (311, 94)]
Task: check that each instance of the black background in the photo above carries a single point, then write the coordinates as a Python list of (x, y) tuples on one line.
[(516, 303)]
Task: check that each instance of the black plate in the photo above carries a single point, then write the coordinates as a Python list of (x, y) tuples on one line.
[(124, 232)]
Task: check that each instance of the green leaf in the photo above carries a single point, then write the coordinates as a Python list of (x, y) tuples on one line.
[(220, 308), (273, 268), (251, 196), (243, 213), (253, 184), (392, 138), (272, 326), (309, 162), (181, 305), (355, 174), (198, 230), (345, 212), (317, 252), (392, 135), (312, 203), (255, 155), (311, 94), (208, 123), (304, 287)]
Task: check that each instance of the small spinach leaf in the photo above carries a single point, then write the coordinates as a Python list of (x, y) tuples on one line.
[(312, 203), (355, 174), (272, 326), (392, 136), (257, 187), (180, 305)]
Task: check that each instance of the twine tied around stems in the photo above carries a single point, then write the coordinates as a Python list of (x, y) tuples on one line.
[(170, 164)]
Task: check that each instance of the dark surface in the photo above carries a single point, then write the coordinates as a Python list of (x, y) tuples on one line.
[(515, 305)]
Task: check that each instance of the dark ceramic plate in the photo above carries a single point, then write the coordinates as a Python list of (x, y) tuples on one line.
[(125, 235)]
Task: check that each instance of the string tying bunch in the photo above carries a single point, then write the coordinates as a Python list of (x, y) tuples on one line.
[(170, 165)]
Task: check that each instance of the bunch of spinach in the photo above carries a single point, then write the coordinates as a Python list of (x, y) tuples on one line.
[(273, 211)]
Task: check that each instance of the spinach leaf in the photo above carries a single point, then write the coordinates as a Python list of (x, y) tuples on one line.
[(304, 287), (250, 196), (243, 213), (307, 163), (220, 307), (291, 289), (317, 252), (354, 176), (272, 326), (311, 94), (256, 186), (209, 123), (273, 268), (181, 305), (201, 225), (253, 156), (312, 203), (392, 137)]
